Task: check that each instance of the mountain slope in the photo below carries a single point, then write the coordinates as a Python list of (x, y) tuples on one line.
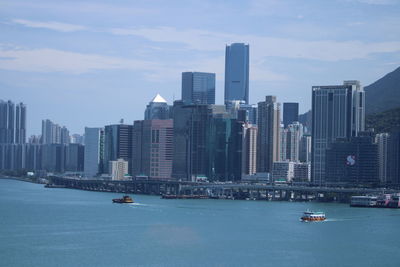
[(383, 122), (384, 94)]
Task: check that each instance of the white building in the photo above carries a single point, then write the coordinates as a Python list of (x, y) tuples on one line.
[(119, 169)]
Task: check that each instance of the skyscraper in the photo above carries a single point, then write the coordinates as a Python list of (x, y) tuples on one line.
[(237, 72), (20, 124), (93, 153), (290, 113), (7, 122), (337, 112), (152, 148), (117, 144), (53, 133), (198, 88), (157, 109), (268, 139)]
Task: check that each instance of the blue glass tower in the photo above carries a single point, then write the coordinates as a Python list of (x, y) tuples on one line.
[(237, 72)]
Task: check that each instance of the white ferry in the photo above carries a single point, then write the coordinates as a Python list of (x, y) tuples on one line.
[(313, 216), (363, 201)]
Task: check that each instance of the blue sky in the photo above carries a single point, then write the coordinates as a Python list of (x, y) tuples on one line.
[(91, 63)]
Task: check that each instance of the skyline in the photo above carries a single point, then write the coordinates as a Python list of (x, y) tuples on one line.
[(101, 62)]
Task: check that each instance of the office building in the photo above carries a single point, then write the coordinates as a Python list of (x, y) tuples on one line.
[(282, 171), (53, 157), (207, 143), (74, 158), (302, 172), (117, 144), (268, 139), (305, 148), (290, 113), (352, 161), (382, 140), (93, 151), (337, 112), (198, 88), (393, 170), (157, 109), (152, 148), (237, 72)]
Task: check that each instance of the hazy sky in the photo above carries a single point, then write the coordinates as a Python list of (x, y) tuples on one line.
[(91, 63)]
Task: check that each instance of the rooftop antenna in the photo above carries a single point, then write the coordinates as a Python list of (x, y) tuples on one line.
[(121, 121)]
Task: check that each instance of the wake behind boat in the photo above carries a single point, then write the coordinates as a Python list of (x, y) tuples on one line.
[(313, 216), (124, 199)]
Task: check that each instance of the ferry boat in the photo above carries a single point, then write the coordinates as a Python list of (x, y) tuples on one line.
[(313, 216), (124, 199)]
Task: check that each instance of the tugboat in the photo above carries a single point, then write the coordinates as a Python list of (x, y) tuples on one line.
[(313, 216), (124, 199)]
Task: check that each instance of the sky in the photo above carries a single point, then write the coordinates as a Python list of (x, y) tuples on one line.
[(92, 63)]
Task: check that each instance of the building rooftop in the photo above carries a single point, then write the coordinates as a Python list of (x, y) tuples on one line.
[(158, 99)]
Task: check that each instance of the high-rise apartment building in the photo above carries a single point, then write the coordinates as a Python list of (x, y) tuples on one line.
[(268, 139), (7, 122), (290, 113), (338, 111), (290, 141), (305, 148), (237, 72), (249, 149), (93, 151), (198, 88), (157, 109), (53, 133), (20, 124), (119, 169)]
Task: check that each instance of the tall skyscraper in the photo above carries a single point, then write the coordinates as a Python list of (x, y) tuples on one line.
[(337, 112), (20, 124), (152, 148), (7, 122), (93, 153), (198, 88), (268, 139), (157, 109), (249, 149), (207, 143), (237, 72), (382, 141), (290, 113), (117, 144)]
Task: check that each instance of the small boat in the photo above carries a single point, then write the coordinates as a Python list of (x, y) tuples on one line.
[(124, 199), (313, 216)]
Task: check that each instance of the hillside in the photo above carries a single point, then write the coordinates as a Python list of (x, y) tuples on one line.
[(383, 122), (384, 94)]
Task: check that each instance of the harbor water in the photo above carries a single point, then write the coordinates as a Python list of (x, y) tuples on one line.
[(63, 227)]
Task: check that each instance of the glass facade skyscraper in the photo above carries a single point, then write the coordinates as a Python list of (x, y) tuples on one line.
[(337, 112), (198, 88), (290, 113), (237, 72)]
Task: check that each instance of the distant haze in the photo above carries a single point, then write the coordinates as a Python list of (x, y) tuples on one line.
[(92, 63)]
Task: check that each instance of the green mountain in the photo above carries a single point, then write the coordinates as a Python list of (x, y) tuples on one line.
[(384, 94), (383, 122)]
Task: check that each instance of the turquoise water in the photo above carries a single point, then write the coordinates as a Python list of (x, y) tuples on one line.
[(64, 227)]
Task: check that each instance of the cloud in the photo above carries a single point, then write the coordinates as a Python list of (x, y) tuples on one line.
[(52, 60), (263, 46), (51, 25)]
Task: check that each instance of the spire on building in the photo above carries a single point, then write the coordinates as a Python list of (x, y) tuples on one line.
[(158, 99)]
